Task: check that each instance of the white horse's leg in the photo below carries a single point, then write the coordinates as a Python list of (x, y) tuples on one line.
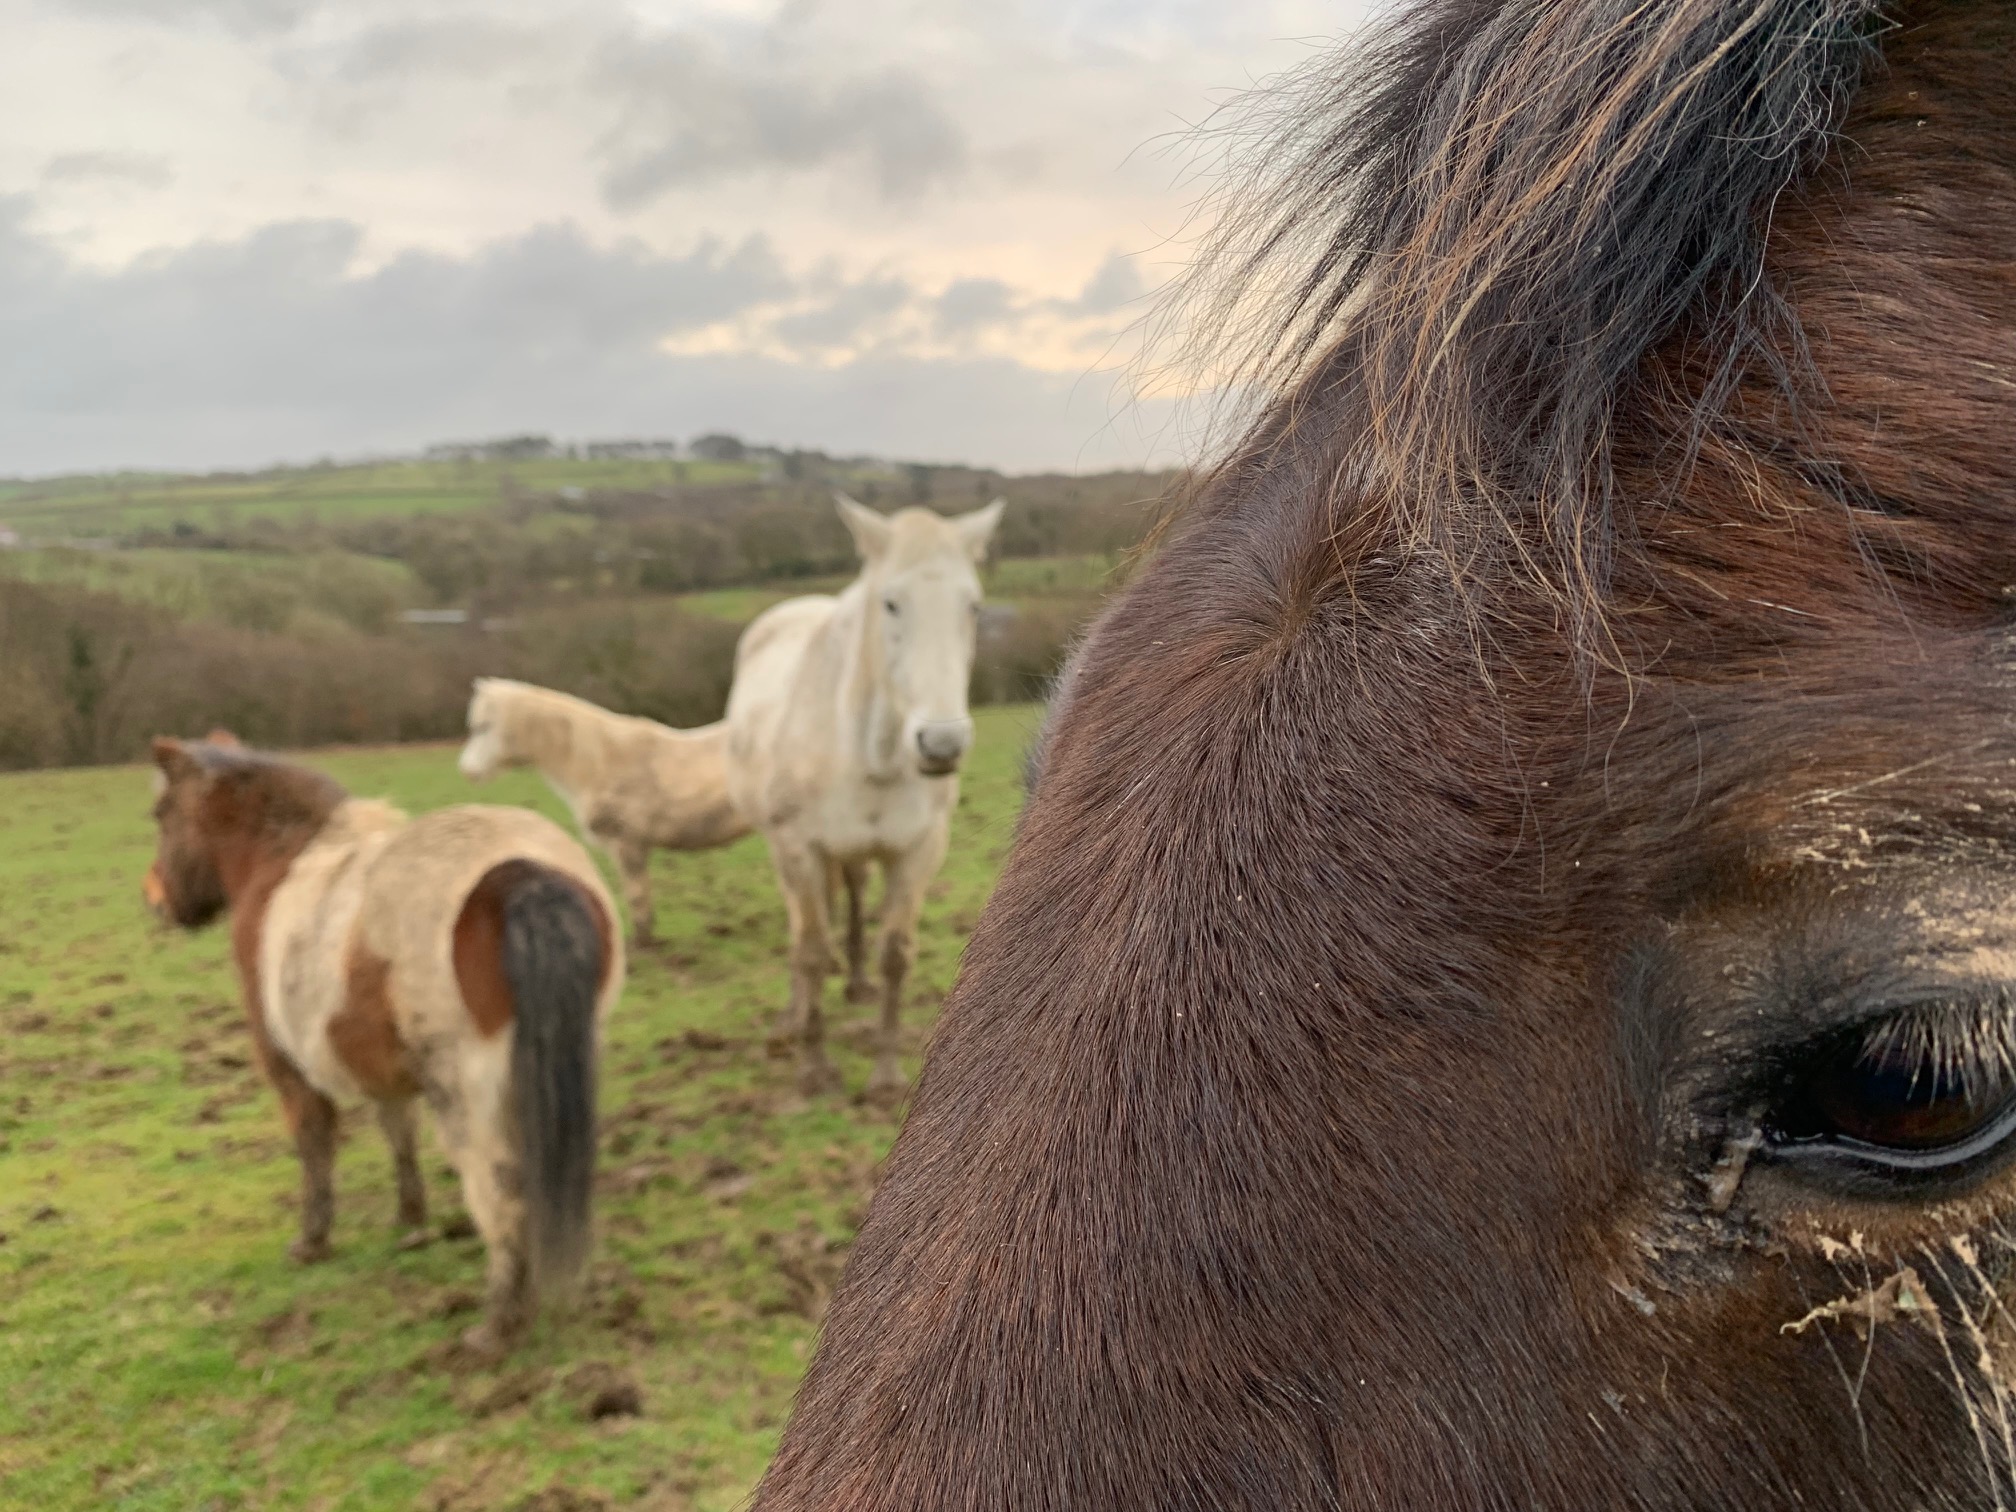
[(855, 878), (633, 860), (904, 881), (803, 877)]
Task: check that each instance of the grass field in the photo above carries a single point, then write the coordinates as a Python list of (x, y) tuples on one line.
[(126, 502), (158, 1351)]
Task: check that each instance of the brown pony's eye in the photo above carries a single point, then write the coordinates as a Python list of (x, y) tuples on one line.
[(1896, 1106)]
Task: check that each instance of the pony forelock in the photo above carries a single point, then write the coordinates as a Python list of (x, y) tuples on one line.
[(1481, 215)]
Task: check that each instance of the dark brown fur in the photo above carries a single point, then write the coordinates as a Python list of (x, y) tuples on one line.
[(1442, 849)]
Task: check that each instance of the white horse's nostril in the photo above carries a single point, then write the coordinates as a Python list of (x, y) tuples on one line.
[(944, 740)]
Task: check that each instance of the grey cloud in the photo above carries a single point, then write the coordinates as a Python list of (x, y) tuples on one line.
[(271, 347), (845, 315), (250, 17), (460, 46), (141, 170), (971, 304), (693, 113), (275, 328), (1116, 285)]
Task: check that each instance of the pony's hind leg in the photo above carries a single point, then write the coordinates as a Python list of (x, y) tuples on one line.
[(396, 1119), (854, 876), (492, 1188), (508, 1301)]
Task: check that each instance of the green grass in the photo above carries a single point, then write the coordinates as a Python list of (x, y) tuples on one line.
[(157, 1350), (123, 503), (1042, 577), (1012, 580)]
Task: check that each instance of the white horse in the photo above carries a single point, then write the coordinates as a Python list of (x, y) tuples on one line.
[(632, 784), (846, 726)]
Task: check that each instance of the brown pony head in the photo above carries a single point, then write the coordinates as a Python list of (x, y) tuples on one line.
[(224, 815), (1505, 992)]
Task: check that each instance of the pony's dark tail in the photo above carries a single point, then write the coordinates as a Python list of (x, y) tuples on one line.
[(555, 956)]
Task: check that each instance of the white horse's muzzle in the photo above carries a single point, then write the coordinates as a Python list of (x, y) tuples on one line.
[(941, 744)]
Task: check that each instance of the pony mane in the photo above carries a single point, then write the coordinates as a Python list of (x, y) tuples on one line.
[(294, 795), (1474, 222)]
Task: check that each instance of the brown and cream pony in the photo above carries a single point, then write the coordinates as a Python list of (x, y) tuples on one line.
[(1504, 996), (465, 957)]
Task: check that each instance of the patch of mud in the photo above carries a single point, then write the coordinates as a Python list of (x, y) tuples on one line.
[(561, 1499), (1902, 1296), (455, 1303), (599, 1390), (724, 1180), (809, 1265), (285, 1335), (485, 1485), (513, 1389), (628, 1181), (623, 1314)]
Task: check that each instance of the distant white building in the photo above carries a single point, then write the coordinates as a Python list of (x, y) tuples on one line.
[(10, 538)]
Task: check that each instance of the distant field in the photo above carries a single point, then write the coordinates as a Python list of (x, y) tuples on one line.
[(110, 506), (161, 1353), (262, 590), (292, 590)]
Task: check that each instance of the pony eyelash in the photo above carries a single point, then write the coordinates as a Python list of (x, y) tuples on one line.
[(1971, 1041)]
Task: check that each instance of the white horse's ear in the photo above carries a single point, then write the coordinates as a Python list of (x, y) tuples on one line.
[(869, 529), (976, 530)]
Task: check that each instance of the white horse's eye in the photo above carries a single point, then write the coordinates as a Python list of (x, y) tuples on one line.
[(890, 605)]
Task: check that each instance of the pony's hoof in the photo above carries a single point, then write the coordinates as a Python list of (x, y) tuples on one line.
[(485, 1344), (783, 1039), (886, 1089), (415, 1238), (862, 991), (819, 1078), (309, 1251)]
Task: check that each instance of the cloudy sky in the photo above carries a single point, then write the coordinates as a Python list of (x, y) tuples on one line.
[(240, 231)]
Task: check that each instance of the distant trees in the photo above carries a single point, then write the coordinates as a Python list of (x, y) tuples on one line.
[(304, 646), (720, 447), (504, 449)]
